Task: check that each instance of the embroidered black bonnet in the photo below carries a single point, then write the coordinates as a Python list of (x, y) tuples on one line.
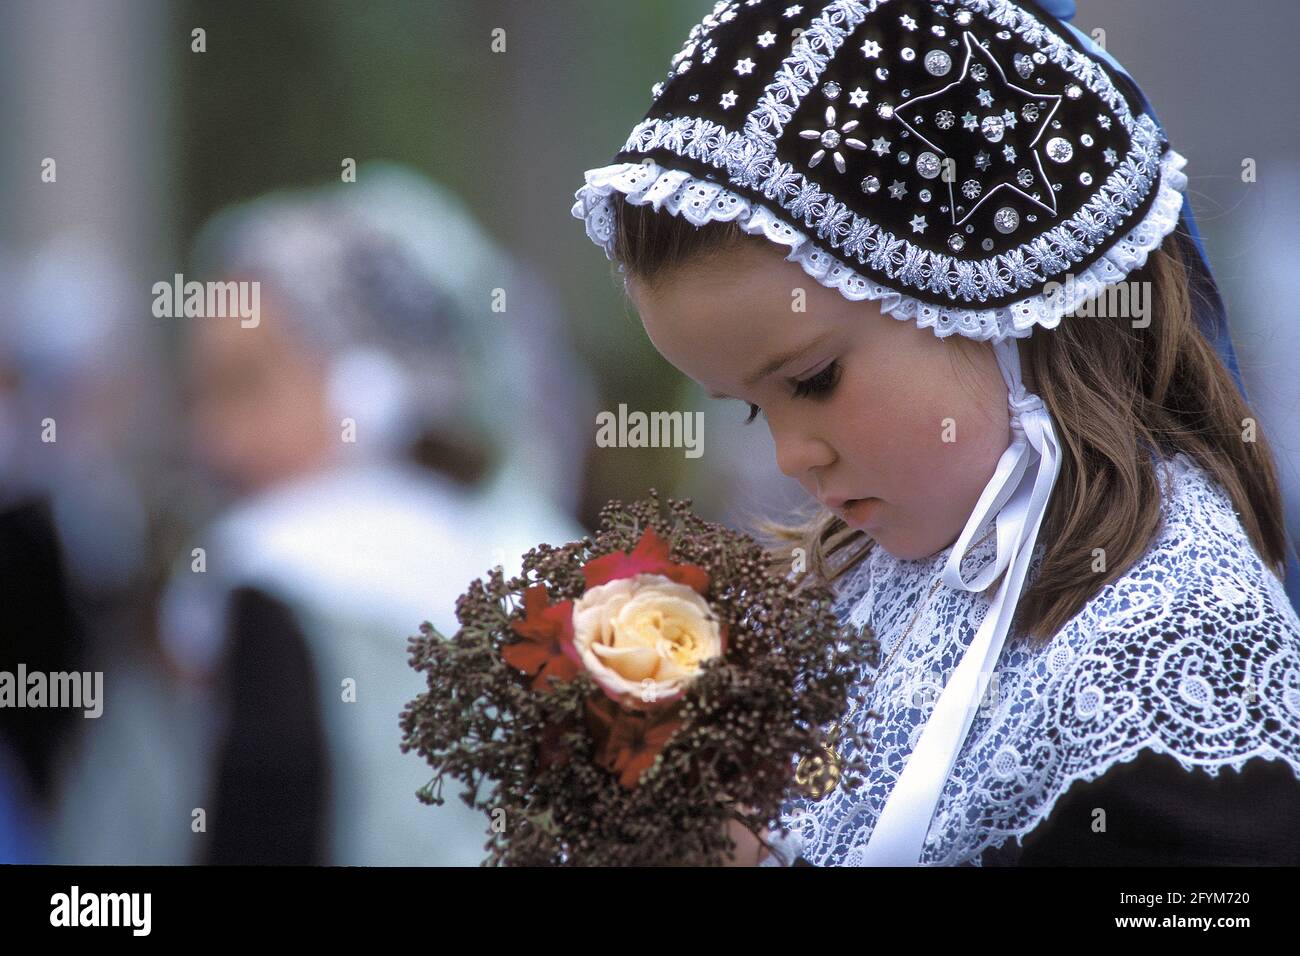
[(966, 162)]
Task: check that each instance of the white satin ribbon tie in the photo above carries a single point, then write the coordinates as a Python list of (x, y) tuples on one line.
[(1016, 497)]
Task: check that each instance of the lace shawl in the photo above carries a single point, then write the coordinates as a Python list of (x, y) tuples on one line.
[(1194, 652)]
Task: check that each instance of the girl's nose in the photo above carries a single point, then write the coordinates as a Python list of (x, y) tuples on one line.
[(798, 451)]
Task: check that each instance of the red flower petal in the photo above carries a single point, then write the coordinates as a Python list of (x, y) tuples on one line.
[(545, 629), (526, 656), (557, 666), (551, 749), (650, 556), (634, 741), (658, 735)]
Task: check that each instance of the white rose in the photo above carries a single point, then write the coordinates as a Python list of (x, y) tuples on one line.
[(644, 638)]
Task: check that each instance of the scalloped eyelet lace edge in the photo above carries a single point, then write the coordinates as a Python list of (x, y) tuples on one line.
[(702, 201)]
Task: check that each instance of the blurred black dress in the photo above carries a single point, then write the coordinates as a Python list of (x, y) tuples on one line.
[(270, 797), (40, 626)]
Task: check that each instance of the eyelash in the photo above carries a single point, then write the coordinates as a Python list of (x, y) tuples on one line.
[(815, 386)]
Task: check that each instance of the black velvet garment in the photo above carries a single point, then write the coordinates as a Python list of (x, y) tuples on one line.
[(42, 629), (1158, 814), (271, 795)]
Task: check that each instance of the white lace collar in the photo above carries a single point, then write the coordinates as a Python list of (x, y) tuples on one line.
[(1200, 618)]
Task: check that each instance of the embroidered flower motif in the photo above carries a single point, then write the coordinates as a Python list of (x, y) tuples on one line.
[(831, 139), (1089, 703), (807, 202), (1195, 691), (1005, 764)]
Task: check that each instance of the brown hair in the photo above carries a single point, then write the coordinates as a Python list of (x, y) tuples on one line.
[(1117, 395)]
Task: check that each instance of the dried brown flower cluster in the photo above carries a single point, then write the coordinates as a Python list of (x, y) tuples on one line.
[(786, 675)]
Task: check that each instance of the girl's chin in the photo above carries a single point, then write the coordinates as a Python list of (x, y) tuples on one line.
[(904, 547)]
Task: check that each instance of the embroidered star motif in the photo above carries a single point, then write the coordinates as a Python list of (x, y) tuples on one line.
[(871, 49), (880, 145), (907, 22), (728, 99), (1110, 157), (1103, 121), (981, 78), (918, 224), (858, 97), (793, 11), (709, 54), (766, 39), (744, 66), (897, 190)]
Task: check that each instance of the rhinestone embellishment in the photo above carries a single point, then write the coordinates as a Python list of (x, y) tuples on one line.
[(938, 63), (1059, 150)]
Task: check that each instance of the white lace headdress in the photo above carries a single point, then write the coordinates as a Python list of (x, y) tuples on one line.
[(972, 166)]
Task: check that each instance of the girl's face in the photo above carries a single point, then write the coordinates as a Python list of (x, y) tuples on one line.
[(860, 405)]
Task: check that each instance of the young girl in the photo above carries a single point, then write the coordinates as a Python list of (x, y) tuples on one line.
[(1051, 506)]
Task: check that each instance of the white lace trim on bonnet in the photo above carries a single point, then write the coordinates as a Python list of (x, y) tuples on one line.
[(701, 201)]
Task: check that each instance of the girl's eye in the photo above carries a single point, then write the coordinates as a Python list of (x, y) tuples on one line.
[(821, 384), (815, 386)]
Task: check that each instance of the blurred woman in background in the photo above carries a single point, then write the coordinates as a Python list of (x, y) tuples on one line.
[(368, 429)]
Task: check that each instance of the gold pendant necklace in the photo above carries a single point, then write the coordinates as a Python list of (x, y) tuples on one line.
[(818, 774)]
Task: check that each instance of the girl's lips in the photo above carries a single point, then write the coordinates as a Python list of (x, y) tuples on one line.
[(858, 512)]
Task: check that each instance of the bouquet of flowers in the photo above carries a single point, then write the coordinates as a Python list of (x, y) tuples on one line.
[(630, 695)]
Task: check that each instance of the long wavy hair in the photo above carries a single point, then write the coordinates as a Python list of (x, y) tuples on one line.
[(1119, 396)]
